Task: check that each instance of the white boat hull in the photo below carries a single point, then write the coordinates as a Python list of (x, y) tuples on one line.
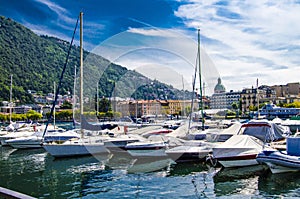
[(148, 152), (238, 163), (188, 153), (71, 150), (279, 162), (26, 145)]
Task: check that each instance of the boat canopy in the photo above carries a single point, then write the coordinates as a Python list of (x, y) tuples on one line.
[(264, 130), (238, 145)]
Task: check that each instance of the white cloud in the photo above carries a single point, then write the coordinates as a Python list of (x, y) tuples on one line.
[(146, 50), (248, 38)]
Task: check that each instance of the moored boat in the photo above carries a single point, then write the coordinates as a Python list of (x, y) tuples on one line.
[(154, 146), (191, 151), (279, 161), (35, 140), (242, 149), (282, 161), (239, 150)]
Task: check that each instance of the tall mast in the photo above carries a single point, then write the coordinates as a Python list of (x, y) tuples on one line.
[(183, 111), (200, 80), (74, 96), (81, 72), (97, 103), (257, 93), (10, 98), (54, 88)]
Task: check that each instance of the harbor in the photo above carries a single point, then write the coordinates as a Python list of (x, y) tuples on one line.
[(119, 174), (36, 173), (127, 99)]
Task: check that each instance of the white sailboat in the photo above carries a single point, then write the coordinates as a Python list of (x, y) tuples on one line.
[(192, 150), (85, 145)]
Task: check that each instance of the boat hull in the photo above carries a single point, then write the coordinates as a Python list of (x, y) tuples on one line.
[(26, 145), (188, 153), (150, 152), (279, 162), (238, 161), (72, 150)]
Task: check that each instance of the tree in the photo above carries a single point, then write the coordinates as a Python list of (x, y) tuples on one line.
[(66, 105), (33, 115), (104, 105)]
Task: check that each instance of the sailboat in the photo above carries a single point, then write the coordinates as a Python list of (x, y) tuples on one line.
[(89, 145), (192, 150)]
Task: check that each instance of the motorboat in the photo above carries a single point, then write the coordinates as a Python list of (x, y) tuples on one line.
[(154, 146), (193, 150), (35, 140), (237, 151), (117, 144), (24, 132), (90, 145), (279, 161), (282, 161), (242, 149)]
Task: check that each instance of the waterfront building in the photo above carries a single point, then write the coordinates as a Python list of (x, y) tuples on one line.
[(219, 88), (288, 93), (138, 108), (290, 89), (222, 99), (251, 97)]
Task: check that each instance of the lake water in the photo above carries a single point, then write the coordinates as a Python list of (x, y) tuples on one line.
[(36, 173)]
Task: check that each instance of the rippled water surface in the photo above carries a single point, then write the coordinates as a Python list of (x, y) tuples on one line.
[(36, 173)]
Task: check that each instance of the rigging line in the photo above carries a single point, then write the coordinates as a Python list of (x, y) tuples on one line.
[(193, 93), (60, 81)]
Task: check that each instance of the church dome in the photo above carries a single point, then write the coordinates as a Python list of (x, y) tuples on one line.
[(219, 88)]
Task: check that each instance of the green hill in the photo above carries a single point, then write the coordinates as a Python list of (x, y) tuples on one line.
[(37, 61)]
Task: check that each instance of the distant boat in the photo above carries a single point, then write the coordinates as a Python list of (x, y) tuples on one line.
[(273, 111)]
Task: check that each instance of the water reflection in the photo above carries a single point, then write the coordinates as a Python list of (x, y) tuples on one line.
[(238, 181), (38, 174), (146, 165), (283, 184)]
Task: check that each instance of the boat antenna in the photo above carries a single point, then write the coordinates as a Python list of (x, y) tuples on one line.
[(60, 82)]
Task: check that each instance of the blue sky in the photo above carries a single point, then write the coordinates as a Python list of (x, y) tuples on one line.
[(241, 40)]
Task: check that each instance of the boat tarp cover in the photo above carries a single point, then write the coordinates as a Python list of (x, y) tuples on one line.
[(180, 132), (238, 145), (265, 131), (223, 135)]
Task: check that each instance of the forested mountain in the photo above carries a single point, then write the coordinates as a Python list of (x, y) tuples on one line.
[(37, 61)]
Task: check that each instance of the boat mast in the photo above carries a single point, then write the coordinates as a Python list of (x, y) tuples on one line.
[(200, 80), (74, 97), (54, 88), (257, 93), (10, 98), (81, 74)]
